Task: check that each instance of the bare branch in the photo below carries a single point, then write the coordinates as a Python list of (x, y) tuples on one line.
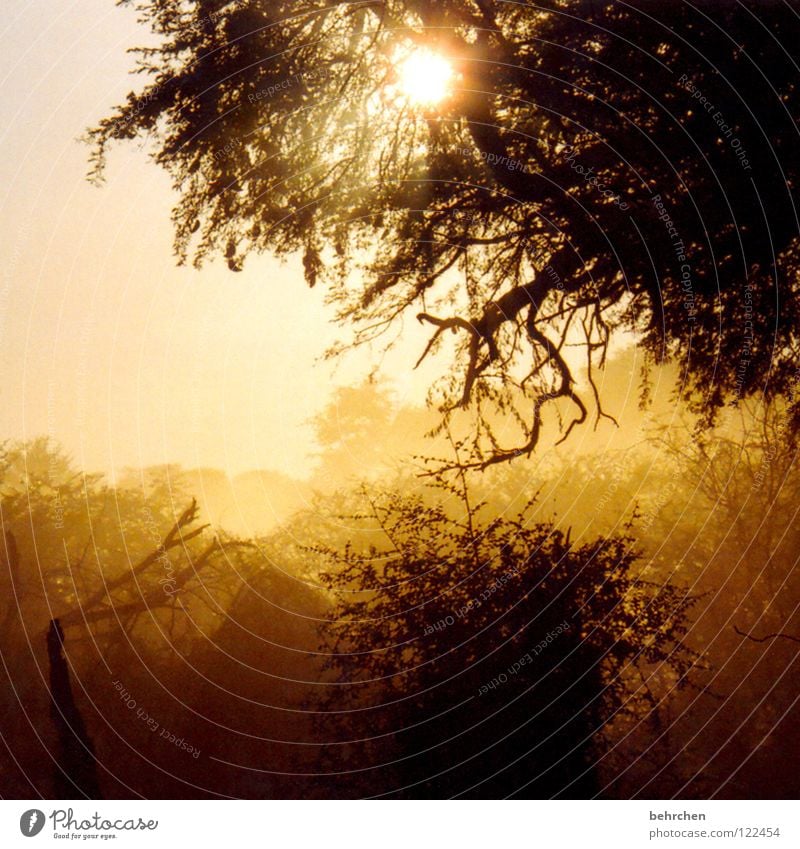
[(175, 537), (764, 639)]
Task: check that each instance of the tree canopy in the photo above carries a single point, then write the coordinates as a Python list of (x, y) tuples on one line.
[(596, 169)]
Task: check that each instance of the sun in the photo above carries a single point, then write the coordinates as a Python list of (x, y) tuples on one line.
[(424, 77)]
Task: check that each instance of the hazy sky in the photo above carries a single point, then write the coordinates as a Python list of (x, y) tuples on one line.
[(105, 344)]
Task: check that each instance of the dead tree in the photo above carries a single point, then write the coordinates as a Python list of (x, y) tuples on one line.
[(75, 774), (76, 766)]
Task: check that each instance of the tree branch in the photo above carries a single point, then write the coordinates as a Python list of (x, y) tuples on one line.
[(174, 537), (764, 639)]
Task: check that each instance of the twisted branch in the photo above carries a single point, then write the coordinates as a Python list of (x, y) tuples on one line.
[(766, 637), (483, 350)]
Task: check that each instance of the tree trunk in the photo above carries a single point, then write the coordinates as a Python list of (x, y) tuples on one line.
[(75, 773)]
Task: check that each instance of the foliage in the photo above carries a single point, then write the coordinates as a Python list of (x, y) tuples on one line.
[(717, 512), (96, 555), (136, 583), (425, 597), (572, 186), (432, 619)]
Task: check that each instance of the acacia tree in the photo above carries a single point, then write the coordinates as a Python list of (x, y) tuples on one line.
[(597, 167)]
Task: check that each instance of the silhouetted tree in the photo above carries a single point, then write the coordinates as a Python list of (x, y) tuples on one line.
[(599, 166), (487, 656), (75, 766)]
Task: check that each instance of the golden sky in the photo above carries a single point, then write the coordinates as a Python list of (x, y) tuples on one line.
[(106, 345)]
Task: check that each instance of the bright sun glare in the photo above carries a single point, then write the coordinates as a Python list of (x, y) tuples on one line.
[(425, 77)]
